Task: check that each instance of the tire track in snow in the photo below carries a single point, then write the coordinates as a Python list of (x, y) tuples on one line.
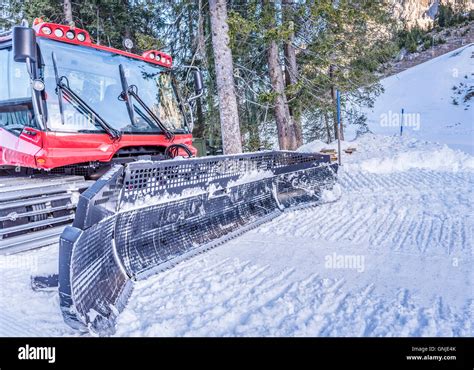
[(388, 219), (273, 306), (423, 197), (399, 216), (10, 325)]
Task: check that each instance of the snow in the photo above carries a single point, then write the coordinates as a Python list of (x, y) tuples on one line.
[(425, 92), (389, 253), (409, 153), (317, 146), (405, 235), (24, 312), (150, 200)]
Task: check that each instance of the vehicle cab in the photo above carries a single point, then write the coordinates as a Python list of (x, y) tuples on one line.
[(66, 101)]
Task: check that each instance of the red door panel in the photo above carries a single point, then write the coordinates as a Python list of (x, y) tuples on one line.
[(19, 150)]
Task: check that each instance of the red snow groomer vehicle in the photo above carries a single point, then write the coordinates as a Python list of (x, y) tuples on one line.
[(96, 154), (71, 109)]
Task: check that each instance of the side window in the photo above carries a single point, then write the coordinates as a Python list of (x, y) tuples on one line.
[(16, 109), (4, 93), (19, 80)]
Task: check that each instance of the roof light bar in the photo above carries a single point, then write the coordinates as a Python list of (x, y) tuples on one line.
[(78, 36), (61, 32), (158, 57)]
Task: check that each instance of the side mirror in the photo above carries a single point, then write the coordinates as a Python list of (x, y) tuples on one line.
[(198, 84), (24, 44)]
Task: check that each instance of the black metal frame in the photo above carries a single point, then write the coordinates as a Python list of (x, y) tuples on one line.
[(115, 240)]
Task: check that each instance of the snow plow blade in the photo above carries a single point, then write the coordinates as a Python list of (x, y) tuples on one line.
[(146, 217)]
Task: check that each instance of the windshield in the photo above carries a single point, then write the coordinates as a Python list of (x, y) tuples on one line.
[(94, 76)]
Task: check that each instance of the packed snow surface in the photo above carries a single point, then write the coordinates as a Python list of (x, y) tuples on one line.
[(389, 253), (392, 256)]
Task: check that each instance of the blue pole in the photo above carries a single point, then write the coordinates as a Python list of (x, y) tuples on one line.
[(401, 123), (338, 100)]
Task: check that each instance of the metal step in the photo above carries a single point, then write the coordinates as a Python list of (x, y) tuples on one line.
[(18, 183), (35, 210), (14, 194), (29, 241), (32, 201), (37, 224)]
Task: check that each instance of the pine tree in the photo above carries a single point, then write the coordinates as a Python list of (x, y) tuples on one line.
[(343, 45), (291, 71), (229, 114), (284, 121), (315, 47)]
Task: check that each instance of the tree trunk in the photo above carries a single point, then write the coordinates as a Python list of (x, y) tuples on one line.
[(201, 61), (231, 138), (291, 79), (328, 128), (333, 98), (67, 7), (291, 73), (253, 119), (200, 37), (286, 134), (127, 33)]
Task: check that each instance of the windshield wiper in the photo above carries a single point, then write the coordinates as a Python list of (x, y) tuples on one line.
[(63, 89), (58, 91), (130, 91), (124, 95)]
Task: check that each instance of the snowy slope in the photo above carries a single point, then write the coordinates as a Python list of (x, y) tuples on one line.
[(425, 92)]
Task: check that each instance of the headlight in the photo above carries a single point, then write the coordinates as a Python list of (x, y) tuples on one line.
[(37, 85), (70, 35), (46, 30), (58, 32)]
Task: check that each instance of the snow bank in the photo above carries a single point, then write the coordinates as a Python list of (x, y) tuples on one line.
[(445, 159), (387, 154)]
